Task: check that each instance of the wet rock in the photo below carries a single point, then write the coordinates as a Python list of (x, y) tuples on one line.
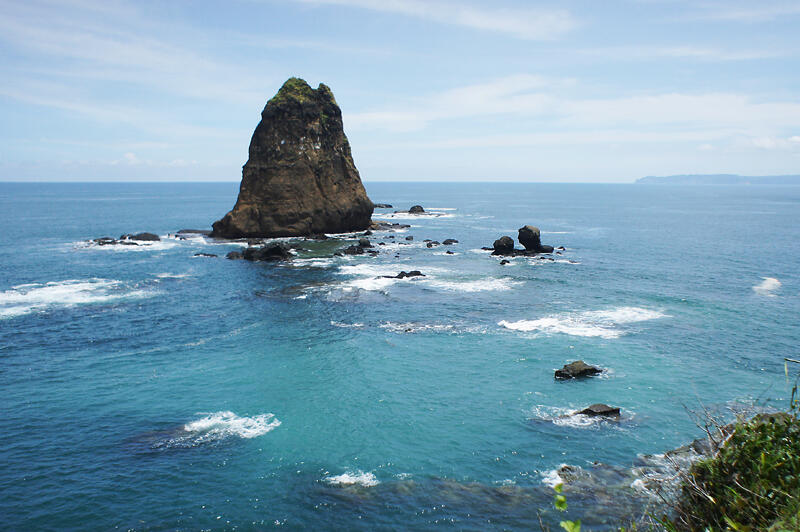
[(364, 243), (382, 206), (504, 262), (387, 226), (210, 255), (366, 233), (577, 369), (234, 255), (317, 236), (561, 248), (450, 241), (409, 237), (403, 275), (432, 243), (146, 237), (353, 250), (104, 241), (449, 253), (416, 209), (530, 237), (503, 245), (271, 252), (600, 410), (204, 232)]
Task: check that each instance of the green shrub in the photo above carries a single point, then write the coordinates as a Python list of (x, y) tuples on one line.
[(752, 483)]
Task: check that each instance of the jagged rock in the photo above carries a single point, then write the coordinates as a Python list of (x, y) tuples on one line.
[(576, 370), (503, 245), (382, 206), (300, 178), (416, 209), (269, 252), (450, 241), (210, 255), (403, 275), (530, 237), (601, 410), (143, 237), (234, 255), (353, 250)]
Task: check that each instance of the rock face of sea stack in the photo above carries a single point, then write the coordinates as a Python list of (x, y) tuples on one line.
[(300, 178)]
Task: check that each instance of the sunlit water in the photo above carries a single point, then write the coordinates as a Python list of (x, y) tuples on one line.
[(145, 388)]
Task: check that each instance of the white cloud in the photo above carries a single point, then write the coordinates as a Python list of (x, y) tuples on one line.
[(527, 23), (698, 53)]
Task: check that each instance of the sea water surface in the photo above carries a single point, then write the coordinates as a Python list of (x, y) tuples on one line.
[(145, 388)]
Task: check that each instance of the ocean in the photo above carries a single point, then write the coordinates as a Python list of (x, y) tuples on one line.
[(145, 388)]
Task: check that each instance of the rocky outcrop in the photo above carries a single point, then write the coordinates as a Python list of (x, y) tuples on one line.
[(300, 178), (416, 209), (271, 252), (503, 245), (576, 370), (600, 410), (403, 275), (383, 206), (530, 237)]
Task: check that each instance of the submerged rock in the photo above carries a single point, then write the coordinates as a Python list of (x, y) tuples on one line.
[(382, 206), (300, 178), (576, 370), (209, 255), (144, 237)]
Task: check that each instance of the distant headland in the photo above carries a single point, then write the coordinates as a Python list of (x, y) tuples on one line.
[(719, 179)]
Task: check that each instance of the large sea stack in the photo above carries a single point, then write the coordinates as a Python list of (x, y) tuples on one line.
[(300, 178)]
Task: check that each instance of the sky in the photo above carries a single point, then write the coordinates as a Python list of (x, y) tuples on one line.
[(430, 90)]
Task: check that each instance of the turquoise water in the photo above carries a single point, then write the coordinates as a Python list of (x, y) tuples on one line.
[(145, 388)]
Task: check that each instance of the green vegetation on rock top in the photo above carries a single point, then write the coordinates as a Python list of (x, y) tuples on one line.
[(298, 90)]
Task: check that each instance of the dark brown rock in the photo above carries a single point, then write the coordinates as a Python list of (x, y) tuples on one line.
[(601, 410), (270, 252), (300, 178), (504, 244), (576, 370), (234, 255)]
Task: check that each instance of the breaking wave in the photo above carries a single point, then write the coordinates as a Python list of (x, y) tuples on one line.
[(35, 297), (767, 287), (218, 426), (595, 323), (356, 478)]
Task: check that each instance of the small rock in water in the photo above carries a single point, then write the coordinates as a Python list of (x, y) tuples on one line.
[(204, 255), (449, 253), (504, 262), (382, 206), (146, 237), (600, 410), (364, 243), (267, 253), (576, 370), (409, 238), (354, 250), (450, 241), (503, 245), (403, 275), (234, 255), (416, 209), (432, 243)]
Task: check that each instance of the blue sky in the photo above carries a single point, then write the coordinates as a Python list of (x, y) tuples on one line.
[(571, 91)]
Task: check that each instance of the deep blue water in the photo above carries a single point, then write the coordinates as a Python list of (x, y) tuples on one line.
[(145, 388)]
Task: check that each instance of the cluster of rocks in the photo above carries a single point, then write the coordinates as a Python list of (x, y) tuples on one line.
[(529, 236), (363, 246), (578, 370), (126, 239), (267, 252)]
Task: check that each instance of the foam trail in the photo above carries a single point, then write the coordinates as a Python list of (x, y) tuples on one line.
[(224, 424), (767, 287), (596, 323), (27, 298), (350, 478)]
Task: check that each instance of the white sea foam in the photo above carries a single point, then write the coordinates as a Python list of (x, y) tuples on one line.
[(173, 275), (479, 285), (566, 417), (351, 478), (596, 323), (767, 287), (552, 478), (347, 325), (219, 425), (409, 216), (33, 297), (164, 244)]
